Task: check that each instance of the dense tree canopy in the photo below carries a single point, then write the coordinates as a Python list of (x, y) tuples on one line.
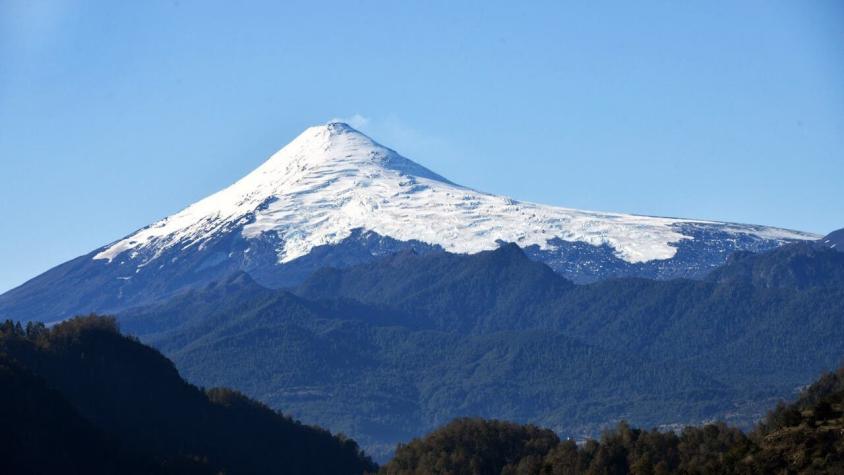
[(391, 349), (83, 397), (806, 436)]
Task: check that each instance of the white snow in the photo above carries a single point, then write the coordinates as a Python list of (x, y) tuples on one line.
[(333, 179)]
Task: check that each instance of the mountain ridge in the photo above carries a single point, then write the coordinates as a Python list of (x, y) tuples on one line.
[(835, 240), (384, 348)]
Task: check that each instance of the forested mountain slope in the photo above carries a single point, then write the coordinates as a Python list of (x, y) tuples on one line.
[(806, 436), (85, 399), (835, 240), (803, 265), (742, 327), (387, 349)]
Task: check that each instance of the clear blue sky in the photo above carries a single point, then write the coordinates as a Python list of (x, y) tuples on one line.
[(115, 114)]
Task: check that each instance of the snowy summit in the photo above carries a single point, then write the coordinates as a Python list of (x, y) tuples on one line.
[(333, 179)]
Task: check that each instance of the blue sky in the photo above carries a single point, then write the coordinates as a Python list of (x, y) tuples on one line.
[(115, 114)]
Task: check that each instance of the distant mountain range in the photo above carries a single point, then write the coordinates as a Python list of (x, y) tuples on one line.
[(335, 198), (387, 350)]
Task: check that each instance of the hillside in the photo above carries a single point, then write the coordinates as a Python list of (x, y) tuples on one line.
[(835, 240), (800, 266), (93, 401), (43, 433), (386, 350), (806, 436), (725, 329), (383, 380)]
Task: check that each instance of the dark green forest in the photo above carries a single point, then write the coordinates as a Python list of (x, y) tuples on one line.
[(389, 350), (79, 397), (806, 436)]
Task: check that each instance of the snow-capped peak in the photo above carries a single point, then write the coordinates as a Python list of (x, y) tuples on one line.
[(337, 142), (332, 179)]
